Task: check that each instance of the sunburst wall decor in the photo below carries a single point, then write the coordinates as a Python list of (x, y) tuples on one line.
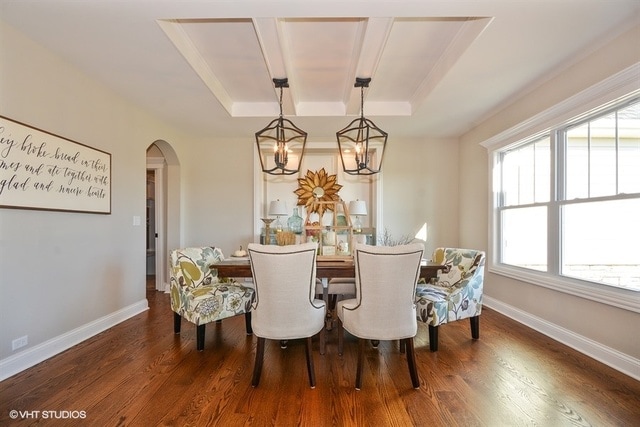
[(317, 187)]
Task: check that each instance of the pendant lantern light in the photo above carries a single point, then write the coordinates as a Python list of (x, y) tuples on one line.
[(281, 144), (361, 143)]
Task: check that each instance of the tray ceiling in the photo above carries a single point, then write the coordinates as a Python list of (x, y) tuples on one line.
[(438, 67), (405, 57)]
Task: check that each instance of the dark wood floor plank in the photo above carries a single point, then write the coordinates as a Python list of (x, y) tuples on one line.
[(139, 373)]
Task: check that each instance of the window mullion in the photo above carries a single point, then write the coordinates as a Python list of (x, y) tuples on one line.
[(500, 205), (617, 130), (557, 185), (589, 153)]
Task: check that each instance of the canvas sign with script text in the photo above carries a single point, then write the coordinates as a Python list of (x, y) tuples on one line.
[(40, 170)]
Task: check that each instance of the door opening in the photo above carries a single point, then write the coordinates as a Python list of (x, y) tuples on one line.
[(156, 227), (152, 234)]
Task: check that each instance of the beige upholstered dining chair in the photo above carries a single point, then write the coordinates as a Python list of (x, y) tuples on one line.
[(285, 307), (384, 306), (455, 294), (199, 296), (338, 288)]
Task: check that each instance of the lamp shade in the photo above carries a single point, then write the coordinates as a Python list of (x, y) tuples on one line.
[(357, 207), (278, 208)]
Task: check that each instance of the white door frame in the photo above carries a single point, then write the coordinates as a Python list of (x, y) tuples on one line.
[(157, 164)]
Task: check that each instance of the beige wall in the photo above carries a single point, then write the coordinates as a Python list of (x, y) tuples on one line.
[(603, 324), (420, 185), (61, 271), (217, 192)]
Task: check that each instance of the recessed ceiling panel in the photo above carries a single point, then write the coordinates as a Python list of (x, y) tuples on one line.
[(417, 45), (320, 54), (231, 50), (435, 45), (405, 57)]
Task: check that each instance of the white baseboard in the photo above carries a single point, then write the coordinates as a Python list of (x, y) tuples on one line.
[(622, 362), (25, 359)]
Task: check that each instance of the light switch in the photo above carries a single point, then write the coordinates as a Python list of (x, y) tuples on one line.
[(136, 220)]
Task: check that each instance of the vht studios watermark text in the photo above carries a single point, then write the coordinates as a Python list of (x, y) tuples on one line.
[(52, 415)]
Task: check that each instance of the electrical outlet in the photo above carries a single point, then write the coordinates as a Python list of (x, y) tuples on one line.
[(19, 342)]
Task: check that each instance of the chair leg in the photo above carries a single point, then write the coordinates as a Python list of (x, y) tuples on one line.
[(403, 346), (361, 345), (475, 327), (433, 338), (340, 337), (200, 337), (310, 370), (375, 343), (323, 341), (247, 323), (176, 322), (257, 368), (411, 360)]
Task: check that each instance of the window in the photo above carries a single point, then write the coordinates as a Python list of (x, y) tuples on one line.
[(525, 191), (567, 201)]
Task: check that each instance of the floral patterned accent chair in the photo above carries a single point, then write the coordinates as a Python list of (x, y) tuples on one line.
[(453, 295), (199, 296)]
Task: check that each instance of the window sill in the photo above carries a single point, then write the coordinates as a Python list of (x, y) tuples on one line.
[(618, 297)]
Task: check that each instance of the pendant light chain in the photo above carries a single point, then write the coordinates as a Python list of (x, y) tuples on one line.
[(362, 101), (280, 129), (281, 102)]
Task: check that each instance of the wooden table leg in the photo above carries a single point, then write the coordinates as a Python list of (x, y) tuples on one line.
[(325, 297)]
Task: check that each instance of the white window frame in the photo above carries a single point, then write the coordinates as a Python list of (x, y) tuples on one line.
[(618, 88)]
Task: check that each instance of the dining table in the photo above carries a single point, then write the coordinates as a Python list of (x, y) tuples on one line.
[(326, 269)]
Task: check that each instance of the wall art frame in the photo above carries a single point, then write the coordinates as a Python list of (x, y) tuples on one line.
[(43, 171)]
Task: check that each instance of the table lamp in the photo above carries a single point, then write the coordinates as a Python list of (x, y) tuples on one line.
[(357, 208), (278, 208)]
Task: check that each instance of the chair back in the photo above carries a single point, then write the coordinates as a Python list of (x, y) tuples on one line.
[(284, 281), (190, 267), (386, 278), (464, 265)]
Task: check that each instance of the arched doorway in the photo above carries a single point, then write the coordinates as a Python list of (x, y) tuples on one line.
[(163, 214)]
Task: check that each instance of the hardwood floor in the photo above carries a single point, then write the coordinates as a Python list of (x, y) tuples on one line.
[(139, 373)]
